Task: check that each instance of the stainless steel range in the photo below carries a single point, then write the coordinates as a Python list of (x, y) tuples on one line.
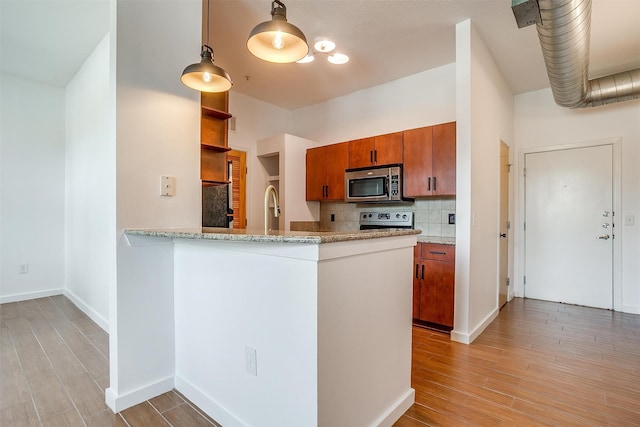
[(374, 220)]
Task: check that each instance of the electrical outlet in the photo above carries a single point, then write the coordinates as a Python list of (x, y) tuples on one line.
[(251, 361), (167, 186), (333, 217), (452, 218), (23, 269)]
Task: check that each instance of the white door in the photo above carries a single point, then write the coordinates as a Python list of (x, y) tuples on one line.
[(569, 226)]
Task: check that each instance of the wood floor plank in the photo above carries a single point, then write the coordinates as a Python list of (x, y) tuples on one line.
[(186, 416), (166, 401), (49, 395), (19, 415), (87, 396), (144, 415), (105, 418), (69, 418)]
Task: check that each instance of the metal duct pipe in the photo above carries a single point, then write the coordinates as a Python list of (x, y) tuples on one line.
[(564, 33)]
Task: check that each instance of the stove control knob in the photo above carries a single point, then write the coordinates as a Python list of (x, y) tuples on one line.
[(404, 216), (398, 215), (369, 215)]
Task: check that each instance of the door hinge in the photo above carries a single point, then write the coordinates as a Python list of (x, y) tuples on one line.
[(524, 280), (524, 171), (508, 282), (525, 226), (245, 222), (509, 167), (508, 225)]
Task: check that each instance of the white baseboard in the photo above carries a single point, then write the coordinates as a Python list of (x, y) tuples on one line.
[(93, 315), (633, 309), (468, 338), (202, 401), (396, 410), (30, 295), (120, 403)]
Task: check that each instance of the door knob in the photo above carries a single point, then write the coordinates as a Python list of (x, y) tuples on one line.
[(604, 237), (503, 235)]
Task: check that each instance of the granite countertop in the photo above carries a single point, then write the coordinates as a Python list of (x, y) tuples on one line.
[(437, 239), (273, 236)]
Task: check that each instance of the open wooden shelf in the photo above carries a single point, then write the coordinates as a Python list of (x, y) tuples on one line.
[(215, 113), (217, 148)]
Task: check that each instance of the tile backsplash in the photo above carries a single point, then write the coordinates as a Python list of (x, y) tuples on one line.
[(430, 215)]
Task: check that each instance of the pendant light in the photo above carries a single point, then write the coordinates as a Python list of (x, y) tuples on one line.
[(206, 76), (277, 40)]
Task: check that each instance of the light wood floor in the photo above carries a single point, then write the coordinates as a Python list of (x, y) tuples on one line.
[(538, 363), (54, 369)]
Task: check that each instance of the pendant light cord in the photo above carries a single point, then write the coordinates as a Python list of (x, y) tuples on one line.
[(207, 40)]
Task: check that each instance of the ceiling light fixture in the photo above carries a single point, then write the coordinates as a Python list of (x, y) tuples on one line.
[(325, 46), (206, 76), (338, 58), (277, 40)]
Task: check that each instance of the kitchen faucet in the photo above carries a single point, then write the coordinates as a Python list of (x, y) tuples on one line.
[(276, 208)]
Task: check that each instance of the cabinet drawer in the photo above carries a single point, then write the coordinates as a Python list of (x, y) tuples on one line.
[(438, 252)]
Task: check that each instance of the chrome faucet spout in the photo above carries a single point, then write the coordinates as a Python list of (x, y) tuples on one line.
[(271, 190)]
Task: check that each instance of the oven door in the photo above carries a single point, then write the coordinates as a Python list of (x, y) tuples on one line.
[(367, 188)]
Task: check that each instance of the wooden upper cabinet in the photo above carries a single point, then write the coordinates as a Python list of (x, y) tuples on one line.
[(337, 163), (416, 167), (325, 172), (316, 173), (376, 151), (429, 166), (361, 152), (444, 159), (389, 148)]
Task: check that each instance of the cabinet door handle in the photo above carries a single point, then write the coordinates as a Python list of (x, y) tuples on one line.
[(371, 156), (417, 277), (422, 272), (434, 183), (438, 252), (429, 184), (375, 156)]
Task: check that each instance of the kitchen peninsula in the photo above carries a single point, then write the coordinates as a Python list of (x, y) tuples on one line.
[(270, 329)]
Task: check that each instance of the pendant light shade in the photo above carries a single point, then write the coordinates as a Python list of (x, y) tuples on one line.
[(206, 76), (277, 40)]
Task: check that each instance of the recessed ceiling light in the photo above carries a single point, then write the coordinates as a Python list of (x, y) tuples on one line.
[(338, 58), (324, 46), (306, 59)]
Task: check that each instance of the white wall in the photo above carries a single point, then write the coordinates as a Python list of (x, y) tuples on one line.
[(540, 123), (485, 117), (31, 188), (255, 120), (422, 99), (157, 132), (90, 249)]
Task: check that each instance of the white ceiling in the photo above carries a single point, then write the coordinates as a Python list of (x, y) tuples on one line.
[(49, 39)]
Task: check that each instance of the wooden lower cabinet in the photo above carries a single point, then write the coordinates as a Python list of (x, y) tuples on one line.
[(433, 285)]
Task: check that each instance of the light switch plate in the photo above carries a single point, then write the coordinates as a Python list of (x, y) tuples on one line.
[(167, 186)]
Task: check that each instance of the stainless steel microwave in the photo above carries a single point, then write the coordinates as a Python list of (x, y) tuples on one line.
[(377, 184)]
